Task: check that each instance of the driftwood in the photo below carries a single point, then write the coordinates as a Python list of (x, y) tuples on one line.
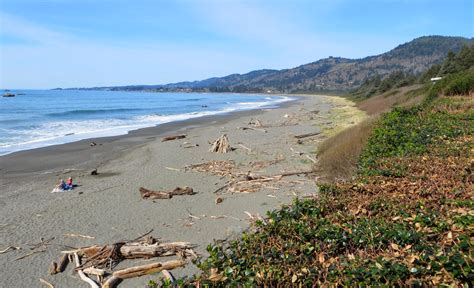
[(134, 250), (150, 194), (94, 271), (81, 274), (53, 267), (29, 254), (59, 267), (98, 258), (148, 269), (79, 235), (221, 145), (169, 276), (245, 147), (307, 135), (220, 168), (149, 247), (8, 249), (258, 180), (173, 137), (254, 129), (46, 283), (138, 271)]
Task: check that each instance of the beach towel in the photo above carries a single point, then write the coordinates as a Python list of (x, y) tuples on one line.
[(56, 190)]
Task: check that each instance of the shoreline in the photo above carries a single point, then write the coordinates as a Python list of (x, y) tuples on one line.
[(109, 208), (124, 133), (123, 141)]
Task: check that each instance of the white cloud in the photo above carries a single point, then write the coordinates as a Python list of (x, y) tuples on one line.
[(288, 34), (18, 28)]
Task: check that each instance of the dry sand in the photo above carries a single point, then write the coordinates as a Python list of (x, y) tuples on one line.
[(109, 208)]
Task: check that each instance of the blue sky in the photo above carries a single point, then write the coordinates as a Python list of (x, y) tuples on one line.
[(83, 43)]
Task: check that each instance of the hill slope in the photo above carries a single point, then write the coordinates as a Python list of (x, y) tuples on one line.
[(329, 74)]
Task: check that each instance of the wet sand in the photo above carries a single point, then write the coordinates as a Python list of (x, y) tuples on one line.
[(109, 208)]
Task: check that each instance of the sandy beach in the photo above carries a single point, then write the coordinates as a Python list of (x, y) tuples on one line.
[(109, 208)]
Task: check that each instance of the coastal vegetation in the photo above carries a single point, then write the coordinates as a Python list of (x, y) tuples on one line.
[(404, 218)]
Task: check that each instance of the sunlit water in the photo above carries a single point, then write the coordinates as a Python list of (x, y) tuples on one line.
[(41, 118)]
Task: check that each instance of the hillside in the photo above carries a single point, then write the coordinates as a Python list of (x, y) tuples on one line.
[(329, 74)]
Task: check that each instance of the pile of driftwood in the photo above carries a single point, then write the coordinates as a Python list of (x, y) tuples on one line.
[(150, 194), (216, 167), (99, 261), (221, 145), (243, 182), (247, 183)]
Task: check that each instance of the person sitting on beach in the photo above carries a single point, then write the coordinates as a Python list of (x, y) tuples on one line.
[(69, 182), (61, 184)]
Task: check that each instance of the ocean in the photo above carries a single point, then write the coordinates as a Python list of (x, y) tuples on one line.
[(39, 118)]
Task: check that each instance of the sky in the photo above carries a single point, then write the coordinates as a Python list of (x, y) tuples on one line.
[(88, 43)]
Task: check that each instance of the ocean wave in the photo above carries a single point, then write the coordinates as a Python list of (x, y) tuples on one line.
[(64, 131), (92, 112)]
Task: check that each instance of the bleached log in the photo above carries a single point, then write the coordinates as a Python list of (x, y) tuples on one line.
[(138, 271), (139, 250), (94, 271), (111, 282), (131, 251), (142, 270), (83, 276)]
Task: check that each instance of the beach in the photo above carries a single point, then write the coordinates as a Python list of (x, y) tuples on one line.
[(108, 206)]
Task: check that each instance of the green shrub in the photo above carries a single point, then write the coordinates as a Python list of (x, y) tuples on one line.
[(461, 84)]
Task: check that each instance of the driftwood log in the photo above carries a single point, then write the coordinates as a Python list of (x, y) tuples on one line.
[(254, 129), (173, 137), (131, 251), (307, 135), (138, 271), (150, 194), (101, 256)]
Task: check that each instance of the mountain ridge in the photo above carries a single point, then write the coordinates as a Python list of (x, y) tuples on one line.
[(326, 74)]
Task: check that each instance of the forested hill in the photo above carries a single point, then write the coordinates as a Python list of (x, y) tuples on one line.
[(329, 74)]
